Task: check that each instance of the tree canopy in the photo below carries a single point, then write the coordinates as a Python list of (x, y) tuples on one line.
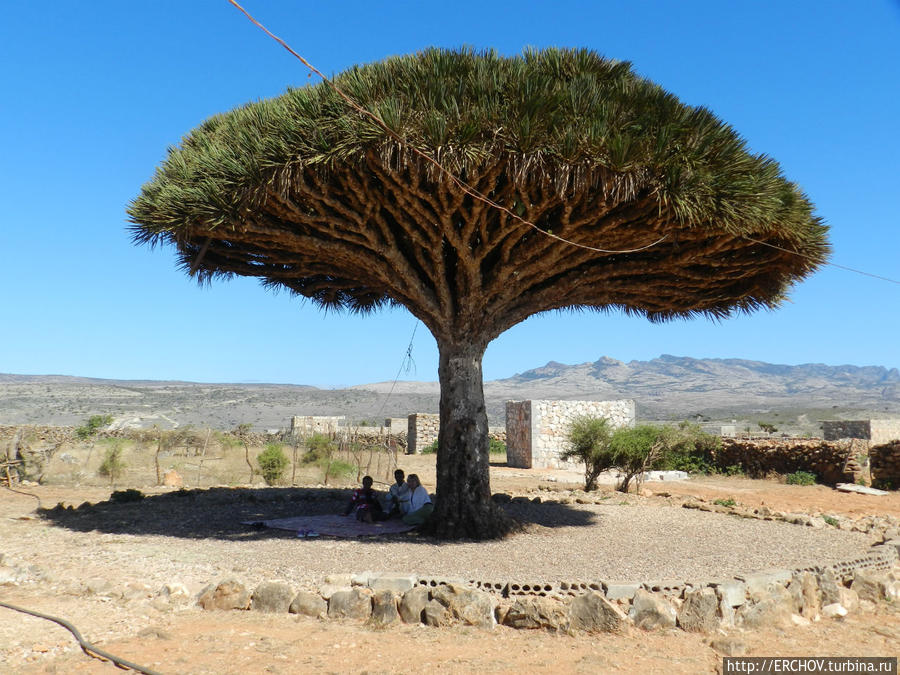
[(626, 199)]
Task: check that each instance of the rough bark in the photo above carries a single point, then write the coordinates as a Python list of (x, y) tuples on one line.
[(463, 506)]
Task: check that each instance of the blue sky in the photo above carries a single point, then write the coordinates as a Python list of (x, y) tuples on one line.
[(93, 93)]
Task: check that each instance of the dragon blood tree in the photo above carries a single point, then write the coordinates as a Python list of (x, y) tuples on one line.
[(608, 193)]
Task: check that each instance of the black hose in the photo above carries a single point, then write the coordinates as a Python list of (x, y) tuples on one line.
[(86, 647)]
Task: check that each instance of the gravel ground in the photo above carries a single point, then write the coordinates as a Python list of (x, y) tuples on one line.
[(197, 538)]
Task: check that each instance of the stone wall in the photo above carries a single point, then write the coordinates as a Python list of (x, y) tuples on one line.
[(536, 430), (832, 461), (309, 425), (422, 430), (878, 431), (884, 461)]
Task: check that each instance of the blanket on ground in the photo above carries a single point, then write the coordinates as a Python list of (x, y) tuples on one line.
[(333, 526)]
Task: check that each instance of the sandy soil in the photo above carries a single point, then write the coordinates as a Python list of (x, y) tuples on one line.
[(185, 639)]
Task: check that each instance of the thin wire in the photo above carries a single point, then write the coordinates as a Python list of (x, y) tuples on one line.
[(406, 362), (808, 257), (465, 187)]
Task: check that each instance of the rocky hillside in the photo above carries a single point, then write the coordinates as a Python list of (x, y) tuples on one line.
[(668, 387)]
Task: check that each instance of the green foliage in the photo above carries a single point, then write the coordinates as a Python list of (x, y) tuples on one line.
[(800, 478), (767, 427), (831, 520), (319, 447), (431, 448), (338, 468), (93, 424), (637, 449), (569, 118), (497, 447), (272, 463), (725, 502), (733, 470), (588, 442), (112, 466), (689, 448)]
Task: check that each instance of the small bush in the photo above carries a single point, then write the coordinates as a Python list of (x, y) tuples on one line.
[(497, 447), (112, 466), (830, 520), (588, 441), (800, 478), (430, 449), (272, 463), (93, 424), (338, 468), (318, 447), (725, 502), (688, 448)]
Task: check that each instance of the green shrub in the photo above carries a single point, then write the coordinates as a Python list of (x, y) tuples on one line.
[(112, 466), (272, 463), (637, 449), (733, 470), (800, 478), (497, 447), (93, 424), (588, 441), (725, 502), (318, 447), (831, 520), (430, 449), (688, 448)]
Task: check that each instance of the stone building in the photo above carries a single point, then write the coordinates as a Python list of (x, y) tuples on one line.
[(877, 431), (536, 430)]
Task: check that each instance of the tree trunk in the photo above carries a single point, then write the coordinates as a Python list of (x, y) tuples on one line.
[(463, 506)]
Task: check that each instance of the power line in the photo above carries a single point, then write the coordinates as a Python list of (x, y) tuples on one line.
[(407, 363), (808, 257), (465, 187), (468, 189)]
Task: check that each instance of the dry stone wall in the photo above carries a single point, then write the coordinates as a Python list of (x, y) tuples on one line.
[(832, 461), (884, 461), (423, 428), (422, 431), (536, 430)]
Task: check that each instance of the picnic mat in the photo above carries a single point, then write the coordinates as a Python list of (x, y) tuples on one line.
[(333, 526)]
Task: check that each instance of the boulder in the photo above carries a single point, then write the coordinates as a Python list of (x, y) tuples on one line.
[(593, 613), (398, 583), (805, 593), (829, 586), (772, 609), (309, 604), (700, 611), (171, 478), (353, 604), (468, 605), (412, 604), (536, 612), (435, 614), (272, 596), (384, 609), (651, 612), (229, 594), (872, 586)]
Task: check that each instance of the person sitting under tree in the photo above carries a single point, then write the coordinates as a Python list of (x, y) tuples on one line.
[(365, 502), (420, 506), (397, 498)]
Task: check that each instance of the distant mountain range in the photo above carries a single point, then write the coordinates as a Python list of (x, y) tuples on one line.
[(668, 387)]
